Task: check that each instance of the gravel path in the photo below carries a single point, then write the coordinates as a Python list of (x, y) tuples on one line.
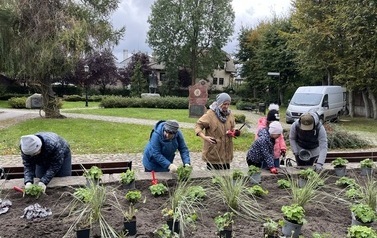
[(11, 116)]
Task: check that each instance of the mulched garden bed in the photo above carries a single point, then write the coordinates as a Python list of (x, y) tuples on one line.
[(329, 216)]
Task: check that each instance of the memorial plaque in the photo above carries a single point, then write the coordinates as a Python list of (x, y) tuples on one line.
[(198, 97)]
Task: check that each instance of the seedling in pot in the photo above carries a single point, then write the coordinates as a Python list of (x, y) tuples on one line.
[(34, 190), (346, 182), (253, 170), (237, 174), (361, 231), (133, 196), (284, 183), (339, 162), (257, 190), (184, 172), (270, 228), (93, 173), (294, 213), (224, 221), (127, 177), (367, 163), (158, 189), (363, 213)]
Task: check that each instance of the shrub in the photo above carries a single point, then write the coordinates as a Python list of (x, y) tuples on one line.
[(240, 118), (340, 139), (184, 172), (17, 102), (151, 102)]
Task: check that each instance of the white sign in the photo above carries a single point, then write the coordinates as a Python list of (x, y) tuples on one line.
[(273, 74)]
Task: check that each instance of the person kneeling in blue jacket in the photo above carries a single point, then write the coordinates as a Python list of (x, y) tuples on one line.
[(45, 155), (164, 141)]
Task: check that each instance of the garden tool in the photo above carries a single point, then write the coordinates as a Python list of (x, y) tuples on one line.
[(154, 180)]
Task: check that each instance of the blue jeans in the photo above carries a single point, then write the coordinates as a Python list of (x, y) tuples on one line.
[(64, 171), (276, 163)]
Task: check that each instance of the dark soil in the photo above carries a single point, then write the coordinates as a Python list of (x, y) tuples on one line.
[(328, 216)]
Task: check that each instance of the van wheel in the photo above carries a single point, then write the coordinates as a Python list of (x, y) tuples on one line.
[(337, 119)]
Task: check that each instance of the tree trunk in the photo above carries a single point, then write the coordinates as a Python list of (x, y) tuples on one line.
[(374, 103), (366, 103), (50, 102), (351, 110)]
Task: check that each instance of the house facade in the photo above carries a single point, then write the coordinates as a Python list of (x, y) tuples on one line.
[(221, 78)]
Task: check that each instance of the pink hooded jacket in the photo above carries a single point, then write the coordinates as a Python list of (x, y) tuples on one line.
[(279, 142)]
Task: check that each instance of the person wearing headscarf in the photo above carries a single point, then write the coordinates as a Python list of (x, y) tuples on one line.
[(308, 139), (217, 129), (45, 155), (280, 148), (261, 152), (165, 139)]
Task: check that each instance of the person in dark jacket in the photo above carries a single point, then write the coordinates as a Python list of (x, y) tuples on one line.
[(164, 141), (308, 139), (261, 152), (45, 155)]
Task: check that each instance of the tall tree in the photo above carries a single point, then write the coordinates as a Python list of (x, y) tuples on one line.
[(139, 66), (189, 34), (48, 38)]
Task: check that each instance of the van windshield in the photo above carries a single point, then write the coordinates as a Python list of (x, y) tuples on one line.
[(306, 99)]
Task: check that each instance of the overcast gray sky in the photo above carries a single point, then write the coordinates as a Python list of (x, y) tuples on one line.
[(133, 14)]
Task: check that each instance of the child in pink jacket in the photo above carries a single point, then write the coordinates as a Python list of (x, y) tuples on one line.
[(280, 147)]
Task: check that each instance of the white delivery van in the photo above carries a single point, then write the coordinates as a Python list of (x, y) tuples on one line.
[(328, 101)]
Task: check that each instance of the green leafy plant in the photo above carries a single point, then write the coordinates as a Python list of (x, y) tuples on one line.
[(237, 174), (361, 232), (307, 173), (270, 228), (346, 182), (363, 213), (34, 190), (368, 192), (84, 194), (224, 221), (184, 172), (284, 183), (367, 163), (93, 173), (257, 190), (294, 213), (339, 162), (127, 177), (319, 235), (133, 196), (353, 193), (165, 232), (158, 189), (196, 192), (253, 170)]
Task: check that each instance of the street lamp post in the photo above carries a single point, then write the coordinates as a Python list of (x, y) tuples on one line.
[(86, 69), (276, 74)]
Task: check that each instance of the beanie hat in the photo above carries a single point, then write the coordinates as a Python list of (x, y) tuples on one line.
[(273, 106), (30, 144), (222, 97), (306, 122), (275, 128), (171, 125), (273, 115)]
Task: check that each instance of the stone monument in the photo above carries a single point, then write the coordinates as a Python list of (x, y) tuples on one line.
[(198, 97), (34, 101)]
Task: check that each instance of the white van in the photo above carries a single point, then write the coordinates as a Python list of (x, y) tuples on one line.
[(328, 101)]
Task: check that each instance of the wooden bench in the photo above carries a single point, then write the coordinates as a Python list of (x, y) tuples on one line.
[(352, 157), (77, 169)]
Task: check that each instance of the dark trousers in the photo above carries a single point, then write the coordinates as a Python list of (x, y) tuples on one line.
[(305, 163), (218, 166), (64, 171)]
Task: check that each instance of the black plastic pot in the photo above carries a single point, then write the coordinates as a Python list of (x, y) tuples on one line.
[(225, 234), (129, 227), (83, 233), (175, 227)]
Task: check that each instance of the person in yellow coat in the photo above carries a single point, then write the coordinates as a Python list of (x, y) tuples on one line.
[(217, 129)]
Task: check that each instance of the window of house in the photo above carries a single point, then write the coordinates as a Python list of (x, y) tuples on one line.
[(221, 81), (214, 81), (162, 77)]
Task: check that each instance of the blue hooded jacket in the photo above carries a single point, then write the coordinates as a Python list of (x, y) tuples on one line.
[(160, 152)]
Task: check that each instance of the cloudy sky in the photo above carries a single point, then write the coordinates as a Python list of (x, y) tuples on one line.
[(133, 14)]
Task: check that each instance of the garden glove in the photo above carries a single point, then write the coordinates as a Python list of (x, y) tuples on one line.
[(43, 186), (28, 185), (237, 132), (318, 167), (273, 170), (172, 168), (187, 165)]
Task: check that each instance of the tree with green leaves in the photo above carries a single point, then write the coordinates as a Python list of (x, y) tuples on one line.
[(139, 82), (189, 34), (44, 40)]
